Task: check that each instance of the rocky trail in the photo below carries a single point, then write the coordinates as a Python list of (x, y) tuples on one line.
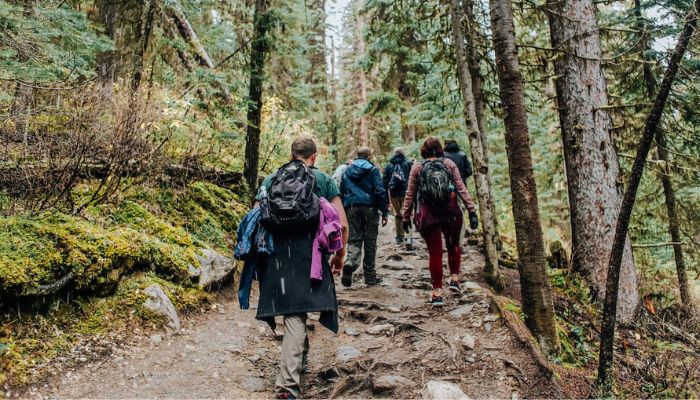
[(391, 344)]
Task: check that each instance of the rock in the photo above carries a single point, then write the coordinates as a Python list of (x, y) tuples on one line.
[(347, 353), (461, 311), (254, 384), (157, 338), (394, 309), (395, 257), (471, 359), (469, 342), (491, 318), (396, 265), (350, 331), (441, 390), (213, 267), (389, 383), (471, 286), (380, 329), (243, 325), (160, 303), (488, 326)]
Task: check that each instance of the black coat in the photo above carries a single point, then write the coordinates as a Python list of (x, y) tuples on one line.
[(459, 158), (286, 286), (398, 159)]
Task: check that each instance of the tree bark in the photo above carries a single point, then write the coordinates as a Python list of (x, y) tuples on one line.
[(592, 167), (669, 191), (145, 29), (363, 132), (106, 64), (317, 75), (259, 48), (604, 383), (483, 186), (534, 282), (473, 36), (189, 35)]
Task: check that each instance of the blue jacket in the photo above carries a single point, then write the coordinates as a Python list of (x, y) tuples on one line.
[(253, 243), (362, 184)]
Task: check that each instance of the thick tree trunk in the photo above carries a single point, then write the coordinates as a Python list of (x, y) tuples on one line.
[(534, 282), (483, 186), (669, 192), (333, 107), (317, 75), (257, 69), (363, 131), (604, 383), (145, 29), (189, 35), (473, 37), (592, 167)]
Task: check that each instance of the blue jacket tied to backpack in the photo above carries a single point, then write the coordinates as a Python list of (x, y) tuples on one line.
[(362, 185)]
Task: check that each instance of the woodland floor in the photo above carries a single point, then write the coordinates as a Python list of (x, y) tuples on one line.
[(227, 353)]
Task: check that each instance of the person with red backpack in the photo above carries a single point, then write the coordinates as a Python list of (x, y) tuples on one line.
[(434, 185), (395, 181)]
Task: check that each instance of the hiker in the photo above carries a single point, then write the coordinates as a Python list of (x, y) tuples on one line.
[(340, 171), (364, 199), (294, 201), (396, 182), (433, 187), (453, 152)]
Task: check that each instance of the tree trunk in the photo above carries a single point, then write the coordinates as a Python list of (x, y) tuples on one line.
[(317, 74), (145, 29), (106, 64), (604, 383), (333, 107), (534, 282), (361, 78), (473, 36), (189, 35), (669, 192), (258, 52), (592, 167), (483, 186)]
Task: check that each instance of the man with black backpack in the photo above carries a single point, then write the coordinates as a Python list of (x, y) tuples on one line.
[(291, 208), (364, 197), (395, 180)]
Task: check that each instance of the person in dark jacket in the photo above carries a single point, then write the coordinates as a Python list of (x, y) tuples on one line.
[(364, 198), (285, 286), (458, 157), (395, 181)]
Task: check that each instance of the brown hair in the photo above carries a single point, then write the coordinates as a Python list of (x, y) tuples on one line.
[(431, 148), (364, 152), (303, 147)]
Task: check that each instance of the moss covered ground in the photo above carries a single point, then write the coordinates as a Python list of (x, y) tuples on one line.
[(113, 252)]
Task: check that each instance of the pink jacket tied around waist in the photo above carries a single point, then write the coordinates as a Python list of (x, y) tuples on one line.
[(329, 237)]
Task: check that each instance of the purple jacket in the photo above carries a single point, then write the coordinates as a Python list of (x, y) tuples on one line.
[(329, 237)]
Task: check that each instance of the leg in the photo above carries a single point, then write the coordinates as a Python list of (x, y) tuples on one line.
[(288, 379), (433, 239), (352, 261), (396, 204), (370, 245), (452, 232)]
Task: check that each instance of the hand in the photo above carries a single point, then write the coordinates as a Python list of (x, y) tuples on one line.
[(337, 262), (385, 221), (473, 220), (406, 225)]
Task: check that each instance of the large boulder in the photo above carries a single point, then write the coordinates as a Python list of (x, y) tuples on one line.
[(160, 304), (213, 268), (441, 390)]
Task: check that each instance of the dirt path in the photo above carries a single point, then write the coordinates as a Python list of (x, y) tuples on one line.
[(387, 333)]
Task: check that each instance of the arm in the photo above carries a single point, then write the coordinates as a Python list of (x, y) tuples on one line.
[(459, 185), (380, 197), (411, 191)]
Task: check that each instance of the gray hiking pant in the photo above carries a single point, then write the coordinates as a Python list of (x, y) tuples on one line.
[(396, 204), (364, 229), (294, 345)]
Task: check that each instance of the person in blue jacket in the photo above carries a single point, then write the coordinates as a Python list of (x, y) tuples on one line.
[(364, 199)]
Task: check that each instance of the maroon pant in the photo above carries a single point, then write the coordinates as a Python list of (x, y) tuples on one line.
[(432, 235)]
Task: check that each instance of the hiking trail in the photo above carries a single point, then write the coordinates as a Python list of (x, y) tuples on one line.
[(389, 345)]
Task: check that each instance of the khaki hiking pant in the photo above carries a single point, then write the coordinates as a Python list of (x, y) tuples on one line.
[(397, 204), (364, 229), (294, 345)]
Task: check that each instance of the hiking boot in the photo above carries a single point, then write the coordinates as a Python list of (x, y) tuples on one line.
[(399, 241), (373, 282), (436, 301), (285, 395), (454, 287), (346, 278)]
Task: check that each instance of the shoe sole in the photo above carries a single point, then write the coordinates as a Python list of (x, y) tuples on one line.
[(455, 290)]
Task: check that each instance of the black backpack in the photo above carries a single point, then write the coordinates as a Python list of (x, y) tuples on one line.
[(397, 181), (435, 183), (291, 203)]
